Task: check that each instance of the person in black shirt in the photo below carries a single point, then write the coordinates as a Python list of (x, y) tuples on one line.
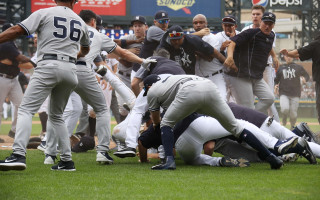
[(10, 58), (249, 51), (311, 51), (184, 48), (288, 78)]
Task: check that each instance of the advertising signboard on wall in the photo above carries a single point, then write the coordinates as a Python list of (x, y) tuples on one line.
[(100, 7), (177, 8), (279, 4)]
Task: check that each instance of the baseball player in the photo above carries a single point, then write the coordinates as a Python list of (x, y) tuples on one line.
[(213, 70), (59, 31), (139, 25), (10, 57), (132, 123), (90, 91), (182, 95)]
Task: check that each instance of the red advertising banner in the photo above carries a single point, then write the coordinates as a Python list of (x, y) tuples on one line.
[(100, 7)]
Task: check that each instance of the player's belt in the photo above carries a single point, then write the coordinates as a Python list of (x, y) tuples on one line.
[(81, 63), (123, 73), (217, 72), (6, 76), (59, 57)]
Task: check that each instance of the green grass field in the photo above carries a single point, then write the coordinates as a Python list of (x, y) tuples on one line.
[(129, 179)]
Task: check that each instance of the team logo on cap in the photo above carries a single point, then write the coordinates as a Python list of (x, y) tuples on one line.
[(177, 5), (263, 3)]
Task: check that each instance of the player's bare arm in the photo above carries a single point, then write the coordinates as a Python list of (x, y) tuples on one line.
[(292, 54), (143, 153), (229, 62), (202, 32), (83, 51), (275, 59), (11, 33), (135, 85), (155, 115)]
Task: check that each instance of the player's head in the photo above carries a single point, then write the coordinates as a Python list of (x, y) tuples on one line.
[(267, 22), (161, 19), (149, 81), (199, 22), (89, 17), (256, 14), (229, 24), (139, 24), (99, 23), (176, 36), (162, 53)]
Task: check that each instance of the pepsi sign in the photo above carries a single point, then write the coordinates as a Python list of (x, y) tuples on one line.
[(263, 3)]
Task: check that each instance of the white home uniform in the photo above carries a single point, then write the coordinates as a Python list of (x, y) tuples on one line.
[(59, 32)]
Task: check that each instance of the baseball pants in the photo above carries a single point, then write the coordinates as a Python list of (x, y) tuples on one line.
[(190, 144), (268, 76), (276, 130), (11, 88), (54, 77), (201, 96), (244, 91), (289, 107), (219, 81)]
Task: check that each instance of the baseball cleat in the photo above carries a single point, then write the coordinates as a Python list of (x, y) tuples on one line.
[(306, 132), (127, 152), (168, 165), (64, 166), (275, 162), (229, 162), (104, 158), (42, 146), (306, 151), (291, 157), (283, 146), (13, 162), (49, 160)]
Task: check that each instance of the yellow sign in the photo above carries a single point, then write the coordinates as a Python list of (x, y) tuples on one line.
[(176, 4)]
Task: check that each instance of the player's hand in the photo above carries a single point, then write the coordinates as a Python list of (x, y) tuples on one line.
[(224, 45), (146, 63), (284, 52), (134, 50), (104, 84), (102, 70), (140, 40), (228, 62), (203, 32)]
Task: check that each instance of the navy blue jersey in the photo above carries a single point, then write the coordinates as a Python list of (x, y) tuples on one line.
[(288, 76), (251, 53), (312, 51), (186, 54), (9, 51), (254, 117)]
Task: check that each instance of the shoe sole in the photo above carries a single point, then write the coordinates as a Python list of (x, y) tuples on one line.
[(66, 170), (308, 132), (103, 160), (287, 145), (125, 154), (12, 166), (48, 162)]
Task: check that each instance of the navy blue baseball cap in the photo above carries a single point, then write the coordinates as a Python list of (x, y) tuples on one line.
[(161, 14), (148, 81), (175, 32), (229, 19), (268, 17), (139, 18)]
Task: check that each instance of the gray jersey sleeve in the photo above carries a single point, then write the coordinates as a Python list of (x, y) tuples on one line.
[(155, 33), (141, 73), (85, 39), (31, 24), (108, 44), (154, 103)]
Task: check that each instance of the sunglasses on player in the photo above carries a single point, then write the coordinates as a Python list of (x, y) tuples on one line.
[(176, 34), (163, 21)]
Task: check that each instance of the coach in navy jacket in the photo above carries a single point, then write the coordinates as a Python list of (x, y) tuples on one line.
[(249, 51)]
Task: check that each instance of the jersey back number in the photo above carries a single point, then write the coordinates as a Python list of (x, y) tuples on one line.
[(61, 24)]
